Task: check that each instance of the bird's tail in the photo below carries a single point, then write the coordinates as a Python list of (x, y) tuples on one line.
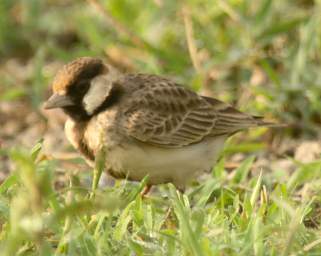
[(237, 121), (259, 121)]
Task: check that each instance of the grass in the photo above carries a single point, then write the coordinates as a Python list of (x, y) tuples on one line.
[(226, 215), (262, 56)]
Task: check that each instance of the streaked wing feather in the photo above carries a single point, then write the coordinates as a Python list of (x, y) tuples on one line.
[(163, 113), (167, 114)]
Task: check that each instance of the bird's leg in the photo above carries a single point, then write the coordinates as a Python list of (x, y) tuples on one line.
[(145, 190), (181, 188)]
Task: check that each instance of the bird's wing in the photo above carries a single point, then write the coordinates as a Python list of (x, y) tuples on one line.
[(166, 114), (230, 120)]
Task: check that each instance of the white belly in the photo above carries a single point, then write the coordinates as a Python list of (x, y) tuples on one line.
[(164, 165)]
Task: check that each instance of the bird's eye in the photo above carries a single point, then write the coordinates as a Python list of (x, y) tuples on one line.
[(83, 86)]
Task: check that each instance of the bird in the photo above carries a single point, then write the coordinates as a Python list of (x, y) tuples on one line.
[(147, 124)]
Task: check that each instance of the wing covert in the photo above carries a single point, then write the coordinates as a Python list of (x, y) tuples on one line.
[(163, 113), (166, 114)]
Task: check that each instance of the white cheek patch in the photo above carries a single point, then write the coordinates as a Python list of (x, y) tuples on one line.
[(98, 91)]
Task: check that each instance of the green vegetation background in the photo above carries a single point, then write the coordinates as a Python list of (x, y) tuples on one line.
[(262, 56)]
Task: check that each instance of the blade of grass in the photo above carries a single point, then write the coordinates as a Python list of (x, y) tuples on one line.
[(243, 170), (256, 190), (191, 242)]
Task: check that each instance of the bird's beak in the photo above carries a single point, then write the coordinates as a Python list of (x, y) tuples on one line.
[(58, 101)]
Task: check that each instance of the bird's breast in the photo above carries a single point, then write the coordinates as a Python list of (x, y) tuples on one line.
[(89, 137)]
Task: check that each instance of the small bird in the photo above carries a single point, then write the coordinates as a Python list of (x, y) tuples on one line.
[(147, 124)]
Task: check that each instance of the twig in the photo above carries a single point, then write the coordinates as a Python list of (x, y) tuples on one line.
[(190, 40), (119, 27)]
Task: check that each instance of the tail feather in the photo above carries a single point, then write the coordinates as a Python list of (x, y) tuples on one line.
[(261, 122), (230, 120), (230, 124)]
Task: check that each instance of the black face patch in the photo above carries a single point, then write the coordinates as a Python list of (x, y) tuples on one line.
[(78, 90), (78, 112), (91, 70)]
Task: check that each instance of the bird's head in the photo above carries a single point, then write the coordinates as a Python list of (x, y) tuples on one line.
[(82, 87)]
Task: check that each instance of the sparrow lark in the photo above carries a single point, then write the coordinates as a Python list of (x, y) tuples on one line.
[(147, 124)]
